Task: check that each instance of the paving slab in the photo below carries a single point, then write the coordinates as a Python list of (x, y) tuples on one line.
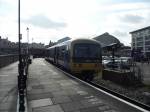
[(72, 106), (61, 99), (98, 109), (50, 90), (8, 88), (40, 102), (39, 96), (53, 108)]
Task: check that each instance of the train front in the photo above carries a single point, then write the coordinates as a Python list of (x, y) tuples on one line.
[(86, 58)]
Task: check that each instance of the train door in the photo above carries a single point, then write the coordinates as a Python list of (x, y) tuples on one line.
[(55, 55), (57, 51), (66, 57)]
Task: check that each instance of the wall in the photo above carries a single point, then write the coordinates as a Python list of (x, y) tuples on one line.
[(7, 59)]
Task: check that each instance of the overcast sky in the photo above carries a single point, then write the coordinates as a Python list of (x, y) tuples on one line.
[(54, 19)]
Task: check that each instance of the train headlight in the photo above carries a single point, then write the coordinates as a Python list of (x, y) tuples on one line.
[(96, 65), (77, 65), (74, 65), (80, 65)]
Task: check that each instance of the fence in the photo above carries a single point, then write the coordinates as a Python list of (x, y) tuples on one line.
[(128, 74)]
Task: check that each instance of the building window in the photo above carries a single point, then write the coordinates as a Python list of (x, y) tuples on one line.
[(141, 33), (147, 37), (149, 31), (133, 39), (139, 39), (139, 43), (140, 48), (146, 32), (147, 43), (147, 48), (134, 35)]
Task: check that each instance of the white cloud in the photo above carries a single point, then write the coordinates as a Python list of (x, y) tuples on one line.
[(44, 22), (78, 18)]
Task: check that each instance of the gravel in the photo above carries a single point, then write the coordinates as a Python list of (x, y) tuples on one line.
[(139, 93)]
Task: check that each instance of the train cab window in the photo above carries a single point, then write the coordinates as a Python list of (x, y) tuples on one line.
[(86, 51)]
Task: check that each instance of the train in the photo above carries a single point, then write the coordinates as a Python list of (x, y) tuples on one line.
[(82, 57)]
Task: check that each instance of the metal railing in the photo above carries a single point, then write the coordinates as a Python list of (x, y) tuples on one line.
[(22, 83)]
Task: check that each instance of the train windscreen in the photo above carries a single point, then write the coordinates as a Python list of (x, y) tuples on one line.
[(87, 51)]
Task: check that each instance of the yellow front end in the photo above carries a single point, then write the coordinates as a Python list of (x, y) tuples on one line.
[(86, 67)]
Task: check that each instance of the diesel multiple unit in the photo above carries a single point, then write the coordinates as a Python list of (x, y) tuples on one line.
[(82, 57)]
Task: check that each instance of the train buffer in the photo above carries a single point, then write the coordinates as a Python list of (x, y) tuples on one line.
[(50, 90)]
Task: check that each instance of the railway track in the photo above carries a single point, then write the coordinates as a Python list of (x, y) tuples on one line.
[(122, 98), (132, 101)]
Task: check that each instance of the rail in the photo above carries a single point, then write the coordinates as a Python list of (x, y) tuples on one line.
[(139, 104)]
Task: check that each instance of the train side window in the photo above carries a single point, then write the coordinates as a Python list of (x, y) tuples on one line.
[(67, 48), (63, 50), (59, 53)]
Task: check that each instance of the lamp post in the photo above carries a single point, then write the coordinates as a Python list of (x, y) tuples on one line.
[(21, 76), (19, 35), (27, 40), (32, 46)]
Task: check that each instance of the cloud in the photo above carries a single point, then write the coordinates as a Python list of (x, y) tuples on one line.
[(73, 18), (44, 22), (120, 33), (5, 8), (123, 36), (132, 18)]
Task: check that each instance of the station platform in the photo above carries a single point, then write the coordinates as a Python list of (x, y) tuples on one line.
[(8, 88), (49, 90)]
